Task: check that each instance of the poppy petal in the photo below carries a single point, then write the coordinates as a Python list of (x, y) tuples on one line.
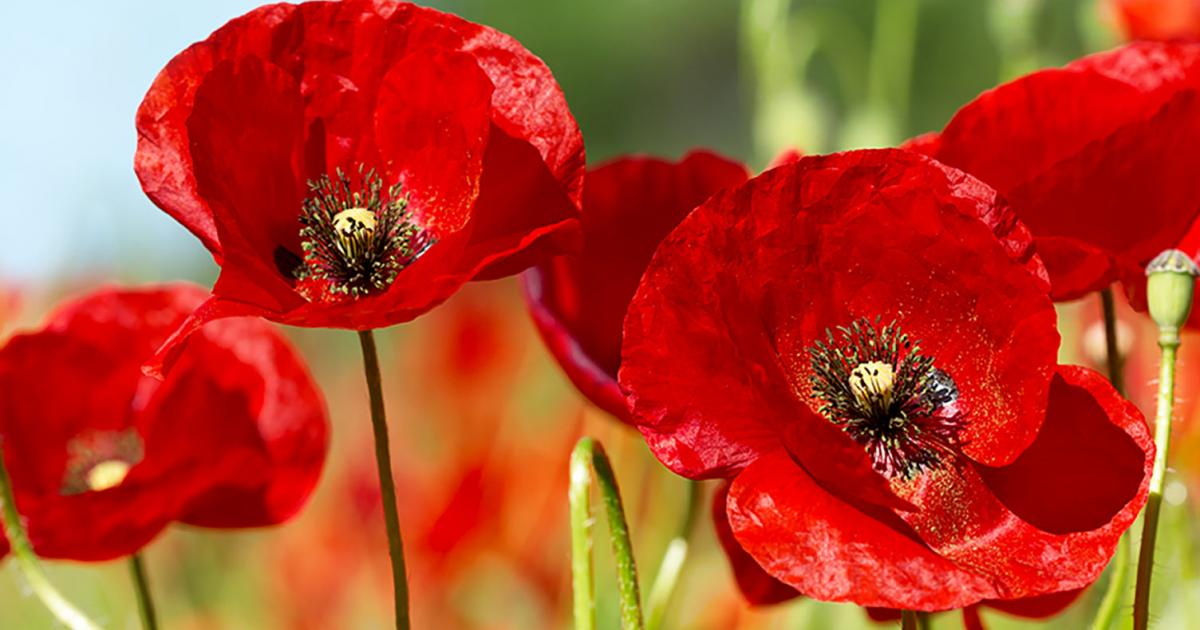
[(579, 301), (432, 132), (757, 586), (245, 131), (990, 520), (829, 550)]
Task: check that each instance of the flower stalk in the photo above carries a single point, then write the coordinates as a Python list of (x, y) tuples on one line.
[(387, 485), (1169, 288), (589, 460), (673, 560), (29, 566), (1119, 572), (141, 583)]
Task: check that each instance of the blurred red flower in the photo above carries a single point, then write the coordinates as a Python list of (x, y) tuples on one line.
[(578, 301), (352, 164), (1097, 158), (1157, 19), (864, 343), (234, 437)]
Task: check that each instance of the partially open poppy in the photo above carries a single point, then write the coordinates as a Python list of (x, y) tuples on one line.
[(1097, 158), (351, 164), (578, 301), (234, 437), (864, 343)]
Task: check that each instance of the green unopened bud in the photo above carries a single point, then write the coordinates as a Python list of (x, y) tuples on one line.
[(1171, 279)]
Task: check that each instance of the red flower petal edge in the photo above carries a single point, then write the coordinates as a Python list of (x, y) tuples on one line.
[(1103, 189), (578, 301), (235, 437), (290, 116)]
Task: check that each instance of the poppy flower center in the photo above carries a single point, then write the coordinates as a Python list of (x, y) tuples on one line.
[(875, 384), (356, 236), (99, 460)]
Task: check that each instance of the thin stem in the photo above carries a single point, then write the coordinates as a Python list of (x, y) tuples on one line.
[(27, 562), (1117, 581), (141, 583), (583, 583), (387, 485), (673, 559), (908, 619), (1119, 573), (1169, 343), (1116, 362), (589, 457)]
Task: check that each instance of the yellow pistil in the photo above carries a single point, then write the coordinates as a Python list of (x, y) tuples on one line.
[(354, 220), (871, 383), (107, 474)]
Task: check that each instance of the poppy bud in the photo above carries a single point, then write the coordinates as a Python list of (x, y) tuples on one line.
[(1171, 278)]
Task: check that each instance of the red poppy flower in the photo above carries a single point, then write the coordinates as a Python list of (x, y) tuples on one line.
[(1157, 19), (234, 437), (864, 343), (578, 301), (1097, 158), (351, 164)]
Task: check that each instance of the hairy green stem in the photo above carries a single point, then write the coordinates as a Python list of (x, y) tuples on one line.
[(387, 485), (141, 583), (1118, 577), (29, 566), (588, 458), (673, 559), (908, 619), (1169, 343)]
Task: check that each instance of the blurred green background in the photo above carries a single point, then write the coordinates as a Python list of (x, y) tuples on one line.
[(482, 418)]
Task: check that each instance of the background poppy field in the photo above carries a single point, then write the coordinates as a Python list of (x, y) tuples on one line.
[(483, 419)]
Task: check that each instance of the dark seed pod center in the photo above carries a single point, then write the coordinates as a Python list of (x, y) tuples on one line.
[(875, 384), (356, 236)]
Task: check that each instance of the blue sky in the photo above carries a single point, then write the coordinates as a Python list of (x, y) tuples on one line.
[(73, 75)]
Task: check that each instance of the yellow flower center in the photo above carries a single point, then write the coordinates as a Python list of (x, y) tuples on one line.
[(872, 381), (107, 474), (354, 220)]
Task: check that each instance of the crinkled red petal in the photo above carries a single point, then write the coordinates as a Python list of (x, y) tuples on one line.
[(829, 550), (1050, 521), (756, 585)]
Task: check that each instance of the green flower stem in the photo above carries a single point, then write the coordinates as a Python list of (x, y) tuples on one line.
[(387, 485), (908, 619), (137, 571), (589, 457), (673, 559), (1169, 343), (1118, 577), (29, 566)]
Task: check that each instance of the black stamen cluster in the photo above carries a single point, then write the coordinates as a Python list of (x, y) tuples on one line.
[(905, 433), (357, 261)]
